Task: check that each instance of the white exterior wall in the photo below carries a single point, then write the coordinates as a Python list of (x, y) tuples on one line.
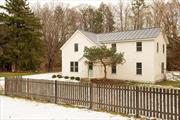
[(68, 55), (127, 71), (159, 58)]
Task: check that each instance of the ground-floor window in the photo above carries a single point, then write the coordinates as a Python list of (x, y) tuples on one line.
[(113, 69), (73, 66), (139, 68), (162, 67)]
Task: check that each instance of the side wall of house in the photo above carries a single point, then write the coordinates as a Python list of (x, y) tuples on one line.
[(127, 71), (160, 57), (68, 55)]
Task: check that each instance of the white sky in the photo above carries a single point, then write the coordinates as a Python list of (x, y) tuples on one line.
[(74, 3)]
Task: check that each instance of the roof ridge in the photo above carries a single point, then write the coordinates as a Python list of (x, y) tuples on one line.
[(129, 30)]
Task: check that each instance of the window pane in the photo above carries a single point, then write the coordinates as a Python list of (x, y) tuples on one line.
[(113, 68), (139, 71), (75, 47)]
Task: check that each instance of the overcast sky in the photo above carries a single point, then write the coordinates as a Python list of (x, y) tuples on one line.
[(74, 3)]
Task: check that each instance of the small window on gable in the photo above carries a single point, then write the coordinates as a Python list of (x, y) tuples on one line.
[(113, 69), (157, 47), (113, 46), (139, 68), (76, 47), (163, 48), (138, 46)]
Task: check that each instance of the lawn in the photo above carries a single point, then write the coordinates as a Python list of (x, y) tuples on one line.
[(8, 74), (169, 83), (164, 83)]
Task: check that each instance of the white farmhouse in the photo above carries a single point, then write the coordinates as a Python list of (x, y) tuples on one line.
[(144, 52)]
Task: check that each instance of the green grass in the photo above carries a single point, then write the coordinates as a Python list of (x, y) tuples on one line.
[(9, 74), (169, 83)]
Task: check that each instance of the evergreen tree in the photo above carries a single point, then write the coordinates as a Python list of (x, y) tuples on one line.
[(98, 22), (107, 16), (25, 49), (137, 8)]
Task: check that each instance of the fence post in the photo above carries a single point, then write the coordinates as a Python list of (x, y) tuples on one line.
[(6, 88), (55, 91), (137, 101), (91, 95), (179, 103)]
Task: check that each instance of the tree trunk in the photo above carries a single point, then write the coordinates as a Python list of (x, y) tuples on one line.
[(105, 72)]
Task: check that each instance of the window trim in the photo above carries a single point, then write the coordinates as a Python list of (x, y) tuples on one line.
[(138, 68), (138, 47)]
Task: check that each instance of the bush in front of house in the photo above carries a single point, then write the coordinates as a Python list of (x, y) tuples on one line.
[(54, 76), (72, 77), (66, 77), (59, 76), (77, 78)]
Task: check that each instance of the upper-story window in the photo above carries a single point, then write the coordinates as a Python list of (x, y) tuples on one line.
[(113, 69), (113, 46), (138, 46), (139, 68), (163, 48), (157, 47), (76, 47)]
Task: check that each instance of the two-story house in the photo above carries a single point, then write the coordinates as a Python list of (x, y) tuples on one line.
[(144, 52)]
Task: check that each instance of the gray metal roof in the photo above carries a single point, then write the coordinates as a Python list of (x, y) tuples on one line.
[(122, 36)]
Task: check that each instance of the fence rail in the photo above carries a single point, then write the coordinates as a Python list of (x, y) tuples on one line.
[(140, 100)]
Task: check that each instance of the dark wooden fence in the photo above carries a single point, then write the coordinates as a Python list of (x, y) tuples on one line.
[(140, 100)]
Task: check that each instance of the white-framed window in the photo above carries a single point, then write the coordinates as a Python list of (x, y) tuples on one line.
[(157, 47), (113, 69), (139, 68), (73, 66), (76, 47), (113, 46), (162, 67), (163, 48), (138, 46)]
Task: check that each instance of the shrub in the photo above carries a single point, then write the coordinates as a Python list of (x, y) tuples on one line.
[(77, 78), (54, 76), (66, 77), (59, 76), (72, 77)]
